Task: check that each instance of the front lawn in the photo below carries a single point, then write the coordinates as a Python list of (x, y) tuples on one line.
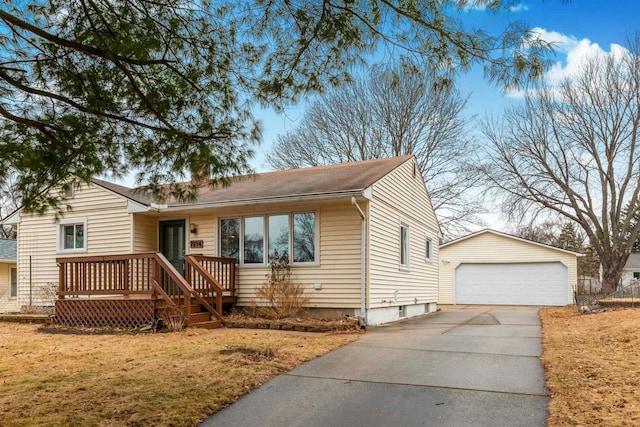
[(54, 378), (592, 365)]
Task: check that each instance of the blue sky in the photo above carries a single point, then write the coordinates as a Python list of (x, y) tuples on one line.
[(578, 27)]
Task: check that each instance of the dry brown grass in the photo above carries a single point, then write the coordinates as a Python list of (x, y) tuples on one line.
[(53, 378), (592, 364)]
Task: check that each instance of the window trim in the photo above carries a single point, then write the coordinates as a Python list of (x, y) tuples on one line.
[(265, 218), (11, 295), (407, 244), (65, 223)]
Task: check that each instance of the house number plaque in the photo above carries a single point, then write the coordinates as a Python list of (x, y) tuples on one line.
[(196, 244)]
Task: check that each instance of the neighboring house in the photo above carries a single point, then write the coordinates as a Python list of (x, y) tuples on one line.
[(385, 261), (8, 277), (631, 270), (490, 267)]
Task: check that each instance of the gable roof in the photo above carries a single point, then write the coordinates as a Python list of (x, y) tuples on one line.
[(8, 250), (510, 236), (340, 179), (633, 263)]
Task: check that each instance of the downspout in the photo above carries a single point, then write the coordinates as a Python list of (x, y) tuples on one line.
[(363, 279)]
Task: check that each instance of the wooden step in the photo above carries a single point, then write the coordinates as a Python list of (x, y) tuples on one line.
[(199, 317), (211, 324)]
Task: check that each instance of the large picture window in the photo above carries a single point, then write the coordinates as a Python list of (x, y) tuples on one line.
[(304, 237), (290, 235), (230, 238), (279, 235), (254, 240), (73, 236)]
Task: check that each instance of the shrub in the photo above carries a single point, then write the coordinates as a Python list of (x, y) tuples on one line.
[(279, 296)]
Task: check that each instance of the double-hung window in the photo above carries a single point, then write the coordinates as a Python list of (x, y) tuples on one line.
[(290, 235), (72, 236)]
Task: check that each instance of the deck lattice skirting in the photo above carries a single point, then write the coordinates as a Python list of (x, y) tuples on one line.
[(95, 313)]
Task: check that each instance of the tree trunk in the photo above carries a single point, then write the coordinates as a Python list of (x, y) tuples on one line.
[(612, 266)]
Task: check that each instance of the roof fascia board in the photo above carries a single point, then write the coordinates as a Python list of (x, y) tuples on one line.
[(498, 233), (135, 207)]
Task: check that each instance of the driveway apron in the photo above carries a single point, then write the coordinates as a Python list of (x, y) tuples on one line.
[(461, 366)]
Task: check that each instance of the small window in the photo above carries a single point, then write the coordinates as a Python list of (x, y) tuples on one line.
[(254, 240), (636, 274), (13, 282), (404, 245), (73, 236), (68, 192), (429, 249)]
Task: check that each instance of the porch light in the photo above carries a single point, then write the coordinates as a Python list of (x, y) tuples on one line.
[(194, 228)]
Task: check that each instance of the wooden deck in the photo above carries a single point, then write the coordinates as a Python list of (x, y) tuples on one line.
[(134, 290)]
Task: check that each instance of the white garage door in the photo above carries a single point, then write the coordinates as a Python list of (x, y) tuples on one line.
[(514, 284)]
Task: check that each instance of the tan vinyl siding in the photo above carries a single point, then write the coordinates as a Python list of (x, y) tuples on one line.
[(109, 231), (493, 248), (401, 198), (338, 270), (7, 304), (145, 233), (207, 232)]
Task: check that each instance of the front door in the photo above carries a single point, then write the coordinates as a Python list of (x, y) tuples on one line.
[(172, 246)]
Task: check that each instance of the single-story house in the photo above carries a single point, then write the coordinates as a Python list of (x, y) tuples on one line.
[(631, 270), (491, 267), (8, 277), (362, 237)]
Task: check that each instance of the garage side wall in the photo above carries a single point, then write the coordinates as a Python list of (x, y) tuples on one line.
[(493, 248)]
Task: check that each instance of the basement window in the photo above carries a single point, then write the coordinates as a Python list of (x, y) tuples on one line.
[(402, 311)]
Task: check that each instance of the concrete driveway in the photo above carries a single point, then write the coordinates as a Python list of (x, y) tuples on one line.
[(462, 366)]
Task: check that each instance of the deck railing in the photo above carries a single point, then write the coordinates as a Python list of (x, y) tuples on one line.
[(223, 270), (106, 275), (207, 279)]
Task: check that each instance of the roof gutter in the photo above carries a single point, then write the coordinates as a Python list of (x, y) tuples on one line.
[(260, 201), (363, 279)]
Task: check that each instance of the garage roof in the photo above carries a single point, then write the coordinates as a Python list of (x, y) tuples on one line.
[(633, 263), (510, 236)]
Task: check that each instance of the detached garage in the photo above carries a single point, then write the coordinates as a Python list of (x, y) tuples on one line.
[(490, 267)]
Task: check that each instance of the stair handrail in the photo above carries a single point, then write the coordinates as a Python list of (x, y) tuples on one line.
[(217, 289), (182, 283)]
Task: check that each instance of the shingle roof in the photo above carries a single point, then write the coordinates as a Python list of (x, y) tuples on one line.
[(8, 250), (633, 262), (321, 180)]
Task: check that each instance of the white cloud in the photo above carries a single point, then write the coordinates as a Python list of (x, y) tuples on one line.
[(576, 53), (519, 8)]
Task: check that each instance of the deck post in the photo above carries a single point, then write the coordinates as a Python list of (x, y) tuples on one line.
[(62, 282)]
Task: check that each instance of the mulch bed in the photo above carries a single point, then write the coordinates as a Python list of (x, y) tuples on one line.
[(346, 325)]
